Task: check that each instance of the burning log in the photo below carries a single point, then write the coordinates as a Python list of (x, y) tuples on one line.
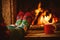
[(37, 13), (36, 19), (36, 27)]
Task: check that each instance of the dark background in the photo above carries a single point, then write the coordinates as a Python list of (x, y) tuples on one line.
[(1, 18), (29, 5)]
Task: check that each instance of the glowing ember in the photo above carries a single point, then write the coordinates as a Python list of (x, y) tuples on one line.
[(54, 20), (44, 18)]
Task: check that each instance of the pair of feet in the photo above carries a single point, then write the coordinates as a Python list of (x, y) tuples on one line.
[(24, 20)]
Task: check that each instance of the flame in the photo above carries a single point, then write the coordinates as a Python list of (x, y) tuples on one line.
[(54, 20), (38, 10), (43, 18)]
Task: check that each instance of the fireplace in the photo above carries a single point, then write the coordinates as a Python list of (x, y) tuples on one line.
[(46, 15), (45, 11), (43, 16)]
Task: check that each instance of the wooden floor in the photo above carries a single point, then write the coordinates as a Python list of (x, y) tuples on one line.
[(40, 35)]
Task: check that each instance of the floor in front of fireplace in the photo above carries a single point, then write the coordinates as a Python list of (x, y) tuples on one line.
[(39, 34)]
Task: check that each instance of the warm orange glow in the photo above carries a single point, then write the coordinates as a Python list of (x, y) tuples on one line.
[(38, 10), (54, 20), (43, 18)]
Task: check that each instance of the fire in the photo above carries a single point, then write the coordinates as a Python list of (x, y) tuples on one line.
[(54, 20), (38, 10), (44, 18)]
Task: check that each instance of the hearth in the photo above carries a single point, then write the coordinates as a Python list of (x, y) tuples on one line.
[(44, 17)]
